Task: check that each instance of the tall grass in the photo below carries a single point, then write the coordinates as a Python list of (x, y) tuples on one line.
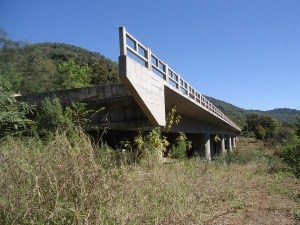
[(60, 182), (63, 181)]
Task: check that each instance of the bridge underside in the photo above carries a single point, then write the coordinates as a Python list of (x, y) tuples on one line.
[(122, 113), (120, 110), (194, 118)]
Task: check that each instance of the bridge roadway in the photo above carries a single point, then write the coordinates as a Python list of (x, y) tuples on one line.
[(149, 89)]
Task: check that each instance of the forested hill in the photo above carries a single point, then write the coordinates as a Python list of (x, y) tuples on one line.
[(41, 65), (53, 66), (283, 115)]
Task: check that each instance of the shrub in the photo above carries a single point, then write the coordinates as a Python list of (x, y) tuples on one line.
[(234, 157), (72, 118), (149, 149), (291, 155), (180, 148)]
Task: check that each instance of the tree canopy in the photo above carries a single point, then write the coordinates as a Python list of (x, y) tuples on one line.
[(53, 66), (264, 127)]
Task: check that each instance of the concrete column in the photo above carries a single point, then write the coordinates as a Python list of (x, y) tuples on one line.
[(233, 142), (223, 150), (229, 143), (206, 139)]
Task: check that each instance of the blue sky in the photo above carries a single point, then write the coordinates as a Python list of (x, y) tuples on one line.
[(244, 52)]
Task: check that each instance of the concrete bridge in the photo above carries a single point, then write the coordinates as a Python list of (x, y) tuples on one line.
[(149, 89), (156, 88)]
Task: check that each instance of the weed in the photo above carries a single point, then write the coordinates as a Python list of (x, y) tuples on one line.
[(237, 204), (296, 212)]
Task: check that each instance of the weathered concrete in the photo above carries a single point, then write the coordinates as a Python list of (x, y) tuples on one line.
[(229, 142), (233, 141), (207, 144), (223, 150), (146, 88)]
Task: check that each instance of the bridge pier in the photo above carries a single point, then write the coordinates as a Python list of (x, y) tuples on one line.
[(234, 142), (223, 150), (207, 143), (229, 143)]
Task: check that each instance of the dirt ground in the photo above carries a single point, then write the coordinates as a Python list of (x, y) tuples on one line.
[(267, 200)]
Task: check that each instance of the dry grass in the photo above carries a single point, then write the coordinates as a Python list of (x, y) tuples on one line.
[(63, 182)]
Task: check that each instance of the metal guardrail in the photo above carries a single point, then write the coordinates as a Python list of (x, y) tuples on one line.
[(143, 55)]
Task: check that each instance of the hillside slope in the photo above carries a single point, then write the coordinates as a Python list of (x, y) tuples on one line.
[(38, 64), (283, 115)]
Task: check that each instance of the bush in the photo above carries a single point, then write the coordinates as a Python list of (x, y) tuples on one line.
[(291, 155), (180, 148), (149, 148), (234, 157)]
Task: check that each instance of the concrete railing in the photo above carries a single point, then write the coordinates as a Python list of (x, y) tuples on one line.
[(134, 49)]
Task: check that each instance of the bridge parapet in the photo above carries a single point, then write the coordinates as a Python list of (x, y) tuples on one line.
[(130, 46)]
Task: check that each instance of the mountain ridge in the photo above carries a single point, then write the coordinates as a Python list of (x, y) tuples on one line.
[(238, 114)]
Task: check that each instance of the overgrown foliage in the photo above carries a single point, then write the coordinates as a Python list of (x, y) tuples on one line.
[(291, 155), (150, 147), (12, 113), (72, 75), (297, 124), (63, 181), (172, 119), (264, 127), (180, 149), (59, 182), (53, 116)]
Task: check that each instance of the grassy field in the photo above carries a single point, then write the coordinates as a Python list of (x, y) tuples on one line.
[(69, 182)]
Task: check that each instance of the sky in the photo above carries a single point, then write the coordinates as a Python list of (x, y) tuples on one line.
[(244, 52)]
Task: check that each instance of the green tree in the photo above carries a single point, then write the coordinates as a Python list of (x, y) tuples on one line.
[(39, 71), (264, 127), (72, 75), (104, 72), (12, 113), (260, 132), (297, 124), (53, 116)]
